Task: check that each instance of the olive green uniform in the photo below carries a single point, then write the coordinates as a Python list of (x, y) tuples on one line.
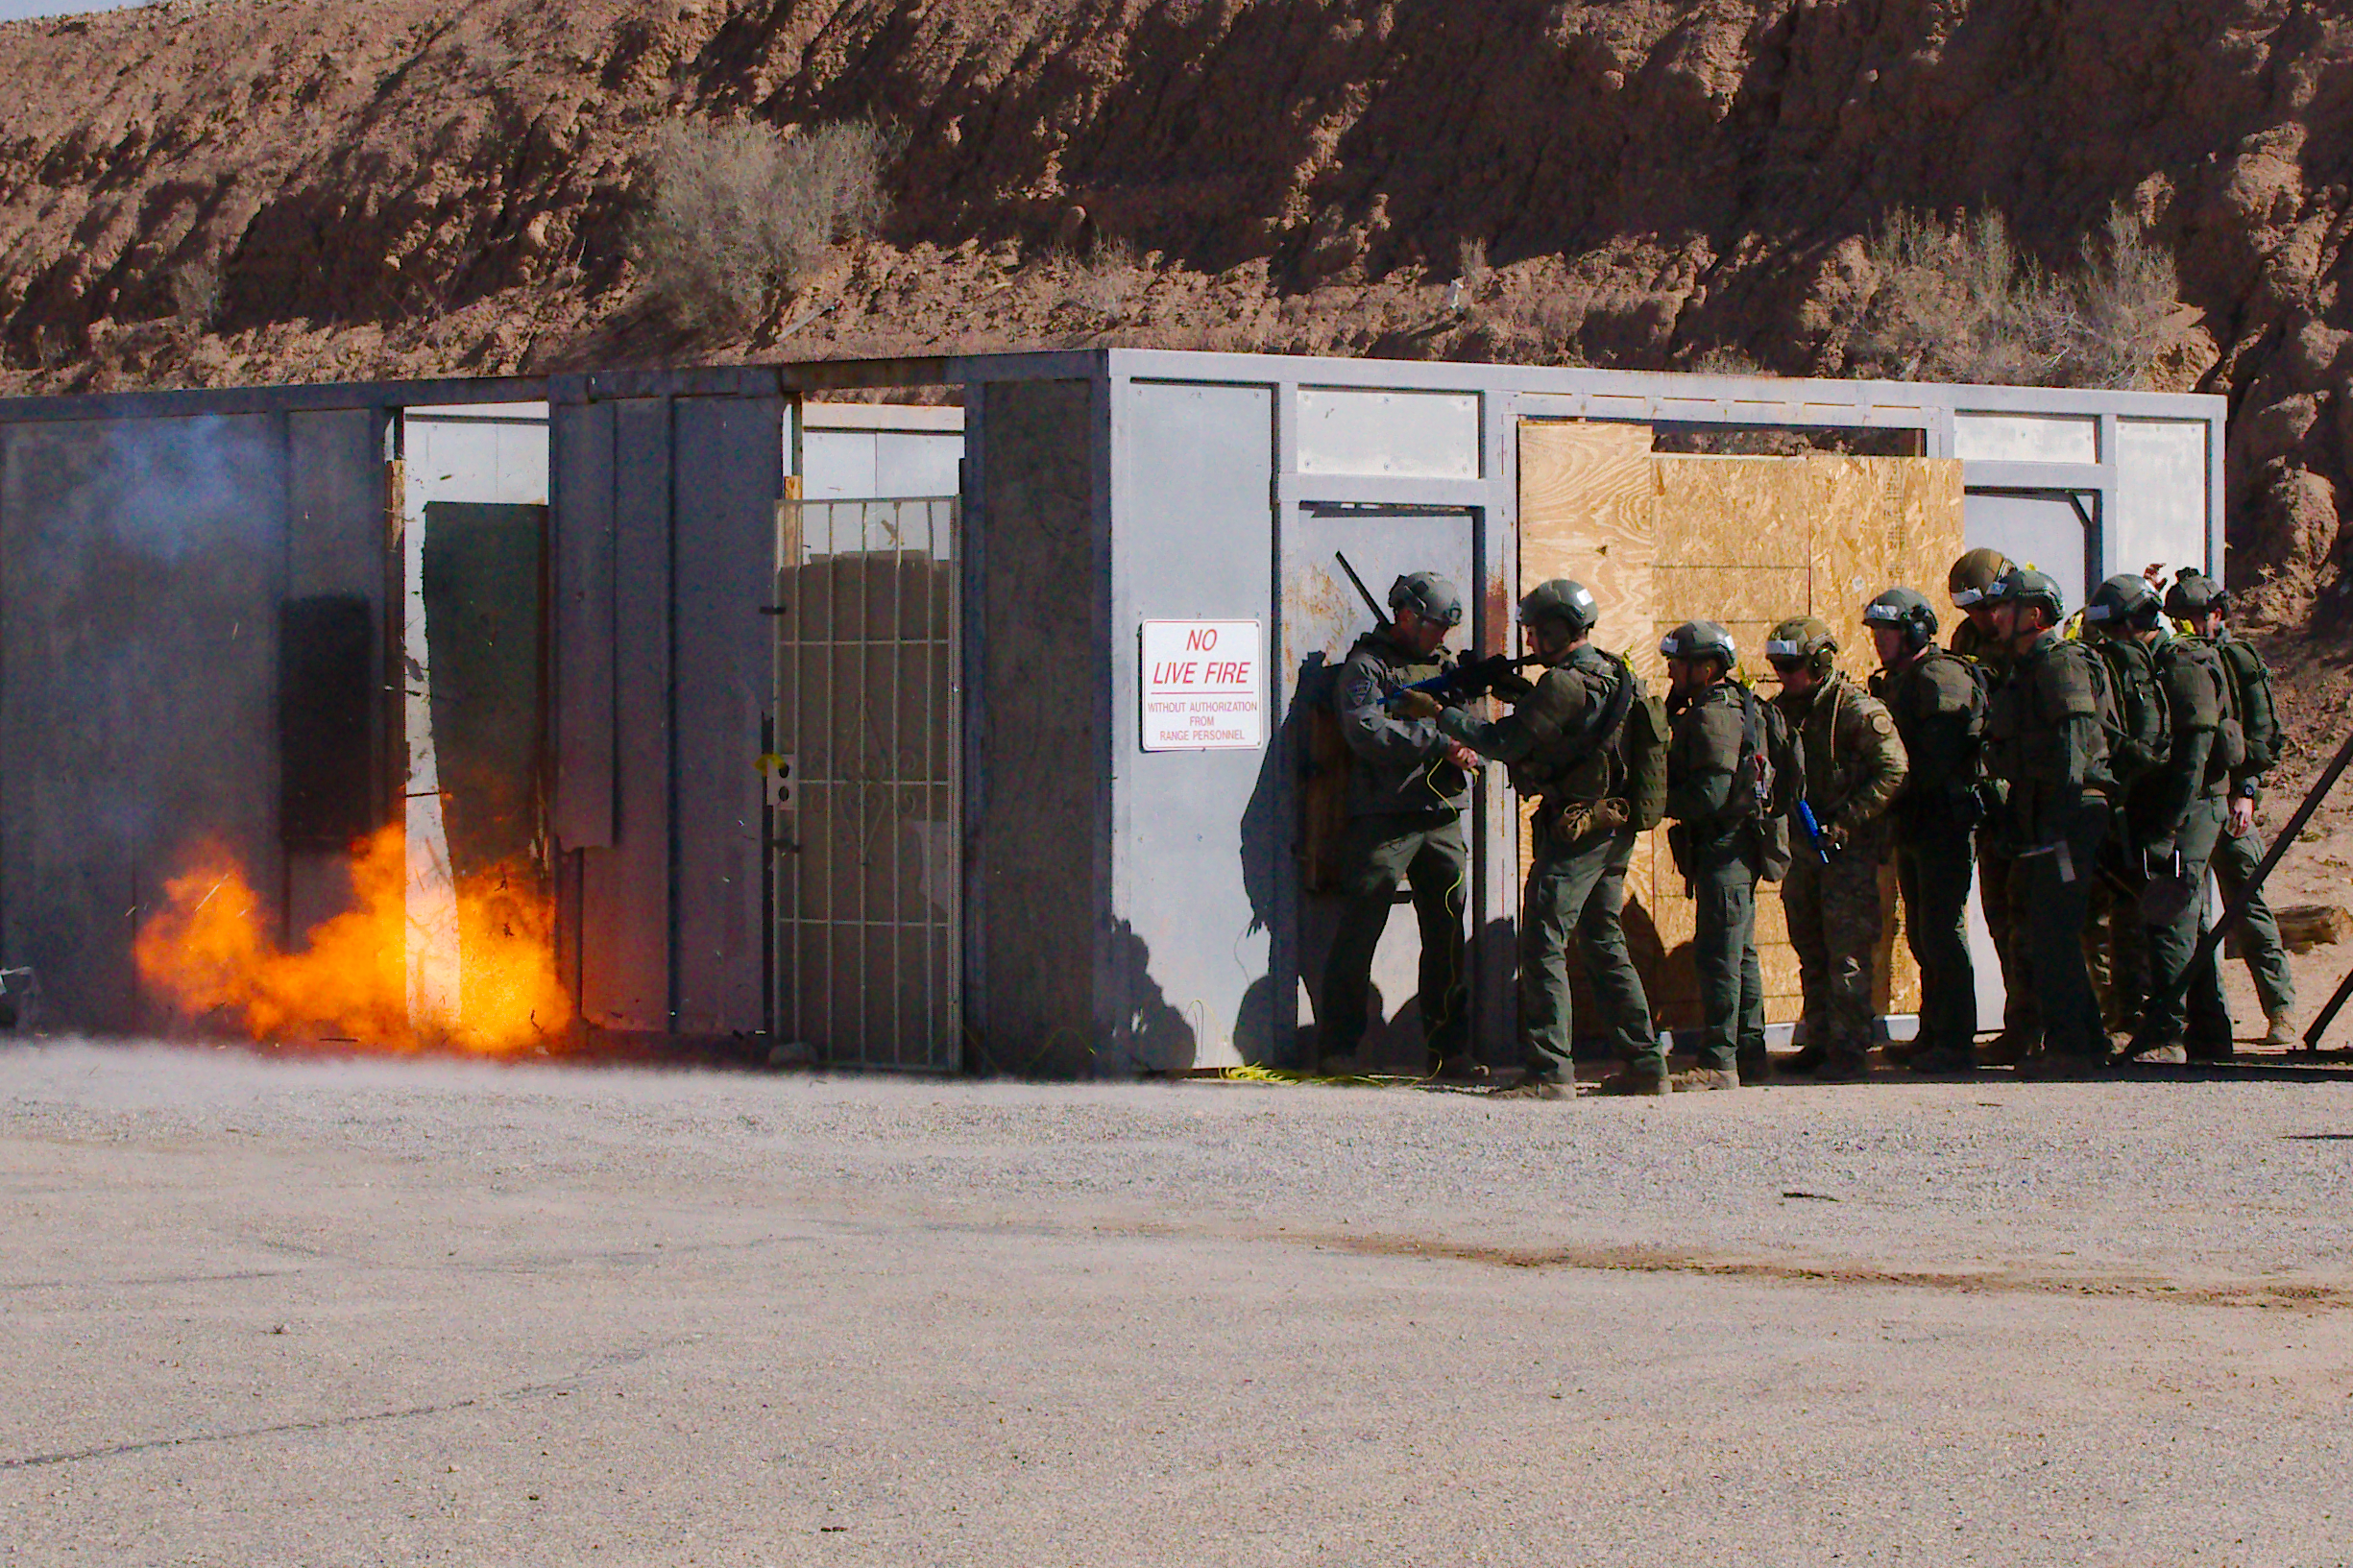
[(2180, 809), (1854, 764), (2236, 859), (1716, 845), (1577, 884), (2043, 737), (1940, 717), (1405, 805), (2022, 1021)]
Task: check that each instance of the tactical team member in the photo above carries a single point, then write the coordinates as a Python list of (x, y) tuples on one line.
[(2202, 605), (2174, 816), (1719, 790), (2140, 746), (1939, 714), (1968, 584), (1565, 740), (1405, 801), (2047, 746), (1854, 764)]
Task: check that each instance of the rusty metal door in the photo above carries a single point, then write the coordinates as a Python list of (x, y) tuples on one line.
[(863, 789)]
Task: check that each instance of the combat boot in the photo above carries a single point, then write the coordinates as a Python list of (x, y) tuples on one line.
[(1943, 1061), (2008, 1049), (1701, 1078), (1339, 1065), (2210, 1051), (1646, 1080), (1459, 1070), (1806, 1060), (2281, 1034), (1843, 1067), (1535, 1086), (1755, 1067)]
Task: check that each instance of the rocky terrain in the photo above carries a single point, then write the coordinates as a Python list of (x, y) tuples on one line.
[(211, 191)]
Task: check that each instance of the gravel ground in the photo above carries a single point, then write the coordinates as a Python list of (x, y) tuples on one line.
[(398, 1312)]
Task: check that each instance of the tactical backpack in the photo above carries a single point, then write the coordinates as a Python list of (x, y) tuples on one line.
[(2250, 692), (1772, 770), (2229, 753), (2133, 713), (1643, 751)]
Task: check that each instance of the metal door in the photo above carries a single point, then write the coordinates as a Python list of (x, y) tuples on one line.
[(1322, 615), (862, 794)]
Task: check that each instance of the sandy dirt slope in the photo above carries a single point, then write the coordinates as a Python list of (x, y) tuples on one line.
[(215, 191)]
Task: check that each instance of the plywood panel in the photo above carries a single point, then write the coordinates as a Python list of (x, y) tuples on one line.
[(1747, 541)]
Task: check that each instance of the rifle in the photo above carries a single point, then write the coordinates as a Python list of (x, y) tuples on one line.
[(1380, 614), (1475, 679)]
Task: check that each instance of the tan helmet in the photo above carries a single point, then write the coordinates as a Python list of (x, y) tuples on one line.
[(1973, 575), (1803, 639)]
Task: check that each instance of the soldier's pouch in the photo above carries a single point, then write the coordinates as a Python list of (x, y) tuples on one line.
[(1679, 849), (1772, 840), (2229, 745)]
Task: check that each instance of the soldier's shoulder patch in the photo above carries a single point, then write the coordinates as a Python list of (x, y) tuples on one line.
[(1880, 722)]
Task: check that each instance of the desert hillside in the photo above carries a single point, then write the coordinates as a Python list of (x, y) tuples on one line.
[(212, 191)]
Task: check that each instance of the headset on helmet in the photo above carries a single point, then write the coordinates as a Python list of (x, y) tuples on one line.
[(2124, 603), (1562, 601), (1803, 639), (1428, 595), (1907, 610), (1700, 639), (2193, 593), (1973, 575)]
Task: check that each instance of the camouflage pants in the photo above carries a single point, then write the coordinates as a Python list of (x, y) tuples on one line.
[(2053, 894), (2021, 1019), (1932, 874), (2182, 1000), (2234, 861), (1575, 892), (1835, 923), (1425, 850)]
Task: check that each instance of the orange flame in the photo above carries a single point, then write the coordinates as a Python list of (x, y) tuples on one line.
[(207, 951)]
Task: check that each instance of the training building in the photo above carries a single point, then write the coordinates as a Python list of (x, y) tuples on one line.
[(926, 714)]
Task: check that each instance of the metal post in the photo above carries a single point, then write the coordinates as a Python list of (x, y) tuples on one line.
[(2328, 1014)]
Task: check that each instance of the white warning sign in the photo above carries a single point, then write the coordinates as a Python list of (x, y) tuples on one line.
[(1205, 686)]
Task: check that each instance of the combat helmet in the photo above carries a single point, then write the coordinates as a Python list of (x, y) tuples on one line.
[(1907, 610), (1973, 575), (2193, 593), (2024, 584), (1700, 639), (1428, 595), (1806, 639), (1560, 600), (2124, 603)]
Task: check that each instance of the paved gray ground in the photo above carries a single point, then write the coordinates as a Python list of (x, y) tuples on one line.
[(278, 1313)]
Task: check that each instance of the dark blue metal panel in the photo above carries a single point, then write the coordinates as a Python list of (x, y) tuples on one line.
[(625, 889), (730, 473), (580, 466)]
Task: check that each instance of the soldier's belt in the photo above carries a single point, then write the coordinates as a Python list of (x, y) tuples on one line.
[(2066, 858)]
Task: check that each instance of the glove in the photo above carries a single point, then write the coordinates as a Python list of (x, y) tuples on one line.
[(1418, 705), (1511, 686), (1834, 837), (1610, 816)]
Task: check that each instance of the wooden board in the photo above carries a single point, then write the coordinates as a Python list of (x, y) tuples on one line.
[(1748, 541)]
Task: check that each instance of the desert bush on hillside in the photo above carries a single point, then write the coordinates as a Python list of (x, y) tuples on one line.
[(1106, 280), (1961, 303), (740, 215)]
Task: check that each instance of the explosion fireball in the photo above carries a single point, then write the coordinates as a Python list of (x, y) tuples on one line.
[(207, 953)]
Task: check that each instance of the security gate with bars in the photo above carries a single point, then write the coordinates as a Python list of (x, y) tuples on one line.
[(867, 880)]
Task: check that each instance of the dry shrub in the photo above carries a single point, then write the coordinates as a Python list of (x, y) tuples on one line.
[(196, 293), (740, 215), (1961, 303), (1106, 282)]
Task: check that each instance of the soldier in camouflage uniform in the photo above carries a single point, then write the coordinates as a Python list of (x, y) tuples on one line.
[(2046, 744), (1854, 765), (2201, 604), (1940, 717), (1406, 793), (1564, 741), (1972, 577), (1722, 841), (2174, 816)]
